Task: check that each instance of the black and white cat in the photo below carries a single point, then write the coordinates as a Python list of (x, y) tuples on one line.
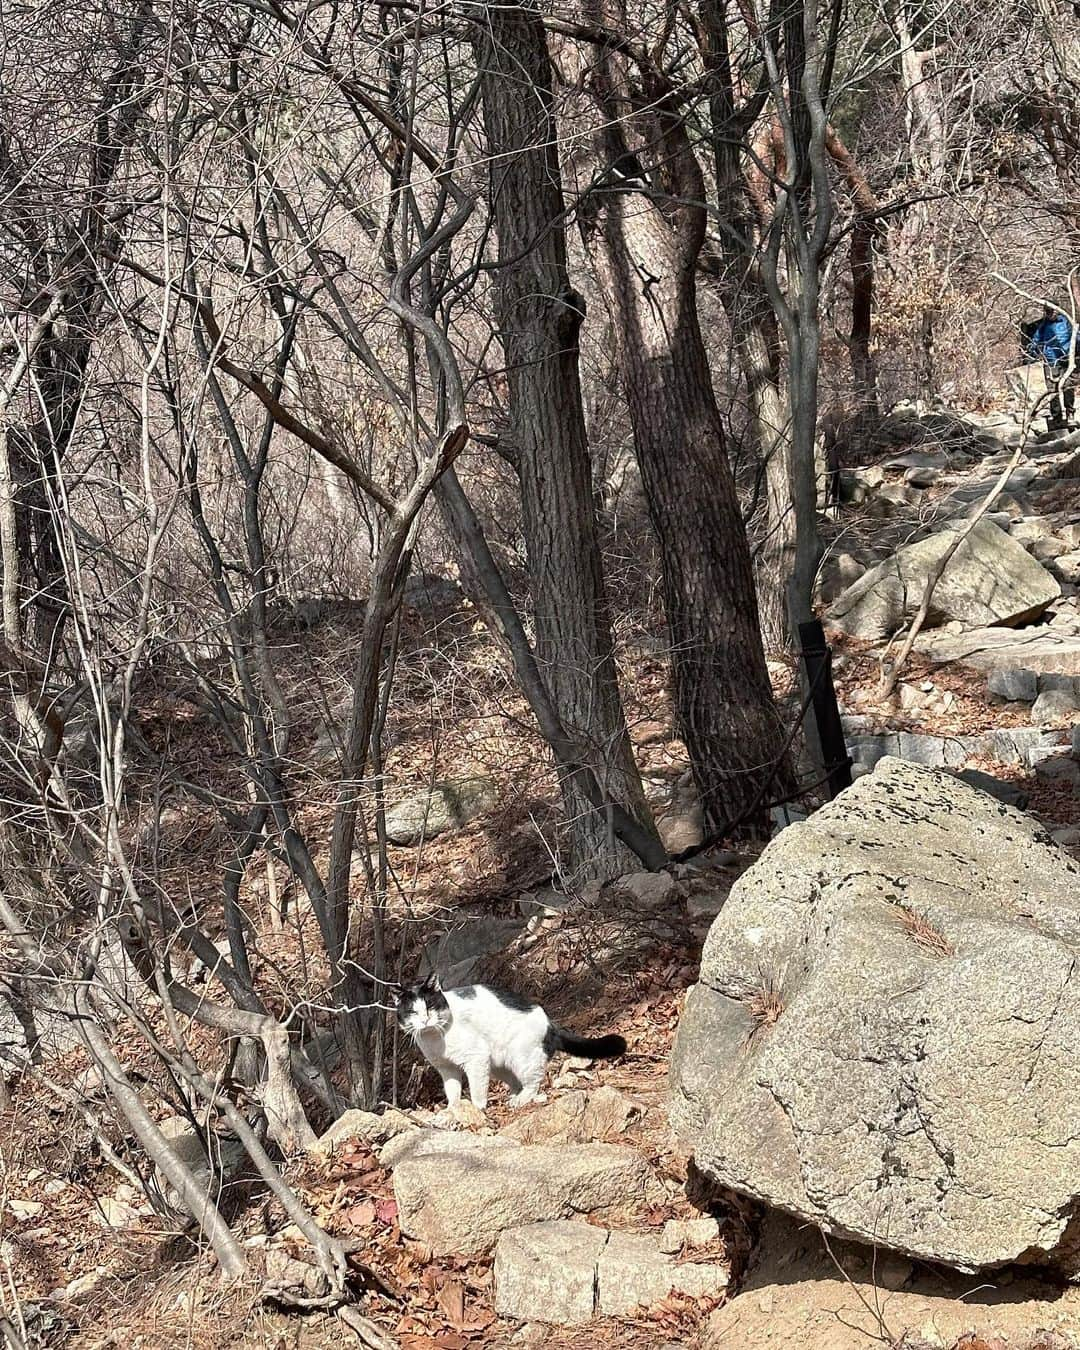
[(482, 1033)]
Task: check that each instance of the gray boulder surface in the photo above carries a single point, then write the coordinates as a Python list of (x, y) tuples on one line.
[(458, 1192), (1015, 684), (448, 805), (885, 1039), (1053, 707), (569, 1272), (990, 580)]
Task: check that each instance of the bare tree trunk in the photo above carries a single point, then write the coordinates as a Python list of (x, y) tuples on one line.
[(646, 246), (865, 231), (754, 332), (539, 315), (800, 229)]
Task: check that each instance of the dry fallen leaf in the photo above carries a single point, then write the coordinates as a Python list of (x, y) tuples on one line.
[(451, 1298)]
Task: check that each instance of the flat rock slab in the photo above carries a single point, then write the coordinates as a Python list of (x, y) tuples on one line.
[(1039, 649), (989, 579), (570, 1272), (886, 1037), (458, 1192), (1020, 746)]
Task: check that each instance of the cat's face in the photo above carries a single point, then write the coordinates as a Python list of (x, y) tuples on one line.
[(422, 1007)]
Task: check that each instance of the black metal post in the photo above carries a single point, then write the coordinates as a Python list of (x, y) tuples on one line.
[(817, 663)]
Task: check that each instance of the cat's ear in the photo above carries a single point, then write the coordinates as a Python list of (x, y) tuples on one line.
[(393, 995), (432, 984)]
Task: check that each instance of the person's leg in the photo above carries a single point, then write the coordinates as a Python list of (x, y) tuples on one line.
[(1053, 383)]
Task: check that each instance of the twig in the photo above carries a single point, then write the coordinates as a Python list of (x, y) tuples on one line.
[(366, 1330)]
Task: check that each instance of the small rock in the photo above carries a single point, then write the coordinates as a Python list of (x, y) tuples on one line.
[(919, 459), (1053, 707), (365, 1126), (187, 1144), (112, 1213), (788, 814), (680, 1233), (1059, 768), (284, 1271), (682, 824), (547, 1272), (891, 498), (82, 1284), (447, 805), (632, 1272), (544, 903), (1066, 567), (911, 699), (1047, 550), (651, 889), (922, 478), (705, 905), (893, 1272), (1068, 836), (431, 591), (1014, 684), (576, 1118), (468, 1114), (457, 953), (21, 1210), (1055, 680)]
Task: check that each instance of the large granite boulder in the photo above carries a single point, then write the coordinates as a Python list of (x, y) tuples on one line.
[(991, 579), (886, 1037)]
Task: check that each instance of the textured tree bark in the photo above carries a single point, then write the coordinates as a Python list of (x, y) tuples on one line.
[(646, 247), (754, 330), (864, 236), (538, 315)]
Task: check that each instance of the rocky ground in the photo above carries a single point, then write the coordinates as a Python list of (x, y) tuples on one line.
[(582, 1222)]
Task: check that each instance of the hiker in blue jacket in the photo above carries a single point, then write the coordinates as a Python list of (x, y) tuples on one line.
[(1050, 340)]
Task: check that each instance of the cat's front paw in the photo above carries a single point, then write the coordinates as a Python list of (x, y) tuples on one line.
[(524, 1098), (468, 1113)]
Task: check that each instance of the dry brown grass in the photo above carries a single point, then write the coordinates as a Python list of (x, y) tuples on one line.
[(765, 1005), (923, 932)]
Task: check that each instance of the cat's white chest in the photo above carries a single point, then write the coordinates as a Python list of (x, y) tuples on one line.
[(432, 1043)]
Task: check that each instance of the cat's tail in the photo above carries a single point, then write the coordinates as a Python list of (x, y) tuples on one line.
[(598, 1047)]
